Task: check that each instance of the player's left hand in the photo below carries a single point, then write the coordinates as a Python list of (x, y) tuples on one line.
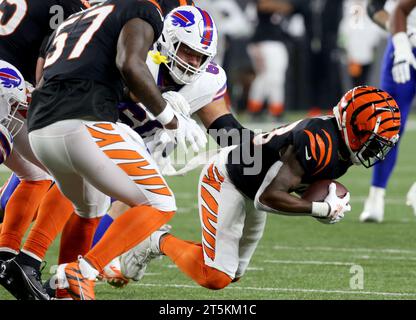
[(403, 58)]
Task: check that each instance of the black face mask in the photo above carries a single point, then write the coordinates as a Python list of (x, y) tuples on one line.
[(375, 149)]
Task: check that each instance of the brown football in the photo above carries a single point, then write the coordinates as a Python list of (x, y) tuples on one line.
[(318, 190)]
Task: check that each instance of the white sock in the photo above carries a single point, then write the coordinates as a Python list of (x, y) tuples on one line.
[(376, 192), (5, 249), (87, 270)]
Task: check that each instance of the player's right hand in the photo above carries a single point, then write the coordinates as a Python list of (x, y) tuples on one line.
[(403, 58), (337, 206), (178, 102), (188, 131)]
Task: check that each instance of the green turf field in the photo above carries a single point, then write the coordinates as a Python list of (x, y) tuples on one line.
[(300, 258)]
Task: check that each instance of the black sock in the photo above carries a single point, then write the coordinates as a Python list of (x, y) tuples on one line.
[(23, 258), (6, 255)]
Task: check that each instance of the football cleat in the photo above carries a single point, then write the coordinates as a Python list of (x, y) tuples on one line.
[(30, 277), (12, 282), (411, 197), (134, 262), (113, 275), (374, 206), (51, 288), (78, 278)]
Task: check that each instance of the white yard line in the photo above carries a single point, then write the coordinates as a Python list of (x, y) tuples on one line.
[(314, 262), (304, 290), (382, 250)]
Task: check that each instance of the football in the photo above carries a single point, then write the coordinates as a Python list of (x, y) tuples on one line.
[(318, 190)]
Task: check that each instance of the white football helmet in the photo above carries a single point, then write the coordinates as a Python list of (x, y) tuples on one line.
[(195, 28), (13, 97), (6, 143)]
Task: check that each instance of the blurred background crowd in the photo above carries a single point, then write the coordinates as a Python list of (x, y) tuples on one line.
[(294, 55)]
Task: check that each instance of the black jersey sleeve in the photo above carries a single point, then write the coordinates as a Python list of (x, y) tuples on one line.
[(73, 6), (314, 148), (169, 5), (147, 10), (44, 47), (375, 6)]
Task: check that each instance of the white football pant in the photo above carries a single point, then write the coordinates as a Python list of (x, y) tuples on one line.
[(231, 227), (93, 160)]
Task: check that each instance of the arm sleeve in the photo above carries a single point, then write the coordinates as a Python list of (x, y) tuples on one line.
[(227, 131)]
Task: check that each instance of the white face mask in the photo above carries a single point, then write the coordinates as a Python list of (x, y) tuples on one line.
[(181, 71)]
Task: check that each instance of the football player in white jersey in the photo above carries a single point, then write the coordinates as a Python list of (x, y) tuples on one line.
[(398, 77)]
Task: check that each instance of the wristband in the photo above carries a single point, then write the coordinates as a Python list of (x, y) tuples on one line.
[(320, 209), (166, 115)]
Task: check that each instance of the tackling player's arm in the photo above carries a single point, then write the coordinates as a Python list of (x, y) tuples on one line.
[(398, 19), (220, 123), (376, 12), (135, 40)]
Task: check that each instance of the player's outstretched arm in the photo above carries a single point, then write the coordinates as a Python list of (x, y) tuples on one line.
[(376, 12), (220, 123), (135, 40), (398, 19), (403, 53)]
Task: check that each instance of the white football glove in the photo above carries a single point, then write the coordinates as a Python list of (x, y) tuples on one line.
[(188, 131), (178, 102), (403, 58), (337, 206), (161, 149)]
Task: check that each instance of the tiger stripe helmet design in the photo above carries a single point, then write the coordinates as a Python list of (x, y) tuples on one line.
[(369, 120)]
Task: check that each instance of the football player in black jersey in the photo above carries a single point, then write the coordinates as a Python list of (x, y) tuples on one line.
[(363, 129), (25, 24), (91, 56)]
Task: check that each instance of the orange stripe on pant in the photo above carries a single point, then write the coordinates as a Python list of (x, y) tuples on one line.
[(132, 169), (209, 217), (105, 139)]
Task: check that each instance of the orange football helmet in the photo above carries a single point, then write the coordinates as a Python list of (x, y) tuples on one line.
[(369, 120)]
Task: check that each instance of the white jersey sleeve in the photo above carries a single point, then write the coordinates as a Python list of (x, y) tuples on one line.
[(210, 86)]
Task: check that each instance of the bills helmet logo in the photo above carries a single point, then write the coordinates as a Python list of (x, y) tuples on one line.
[(182, 18), (9, 78)]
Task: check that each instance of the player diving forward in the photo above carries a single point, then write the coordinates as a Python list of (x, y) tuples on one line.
[(364, 129)]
